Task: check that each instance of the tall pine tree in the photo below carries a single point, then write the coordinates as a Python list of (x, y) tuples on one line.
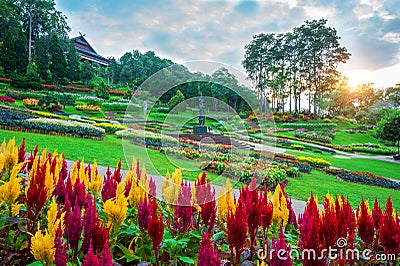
[(14, 56), (58, 63)]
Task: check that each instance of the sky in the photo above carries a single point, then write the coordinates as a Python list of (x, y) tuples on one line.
[(185, 30)]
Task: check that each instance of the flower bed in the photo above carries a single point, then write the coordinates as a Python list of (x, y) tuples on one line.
[(62, 217), (309, 125), (117, 92), (7, 99), (74, 88), (5, 80), (88, 108), (31, 102), (147, 138), (110, 128), (302, 133)]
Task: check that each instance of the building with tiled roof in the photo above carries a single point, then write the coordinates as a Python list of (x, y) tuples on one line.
[(87, 52)]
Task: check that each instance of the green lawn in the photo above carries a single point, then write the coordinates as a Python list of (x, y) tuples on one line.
[(320, 184), (343, 138), (109, 152)]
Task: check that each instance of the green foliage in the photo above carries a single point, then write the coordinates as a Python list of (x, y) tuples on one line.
[(102, 90), (87, 72), (66, 100), (32, 74), (47, 100), (42, 58), (174, 104), (389, 128), (73, 61), (14, 56), (58, 63)]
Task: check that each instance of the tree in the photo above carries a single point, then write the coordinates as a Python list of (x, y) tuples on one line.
[(58, 63), (42, 58), (87, 72), (175, 100), (102, 90), (66, 100), (393, 95), (73, 63), (365, 96), (389, 129), (339, 101), (14, 57)]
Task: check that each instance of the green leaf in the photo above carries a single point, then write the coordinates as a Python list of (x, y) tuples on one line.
[(186, 259), (128, 254), (36, 263), (218, 236)]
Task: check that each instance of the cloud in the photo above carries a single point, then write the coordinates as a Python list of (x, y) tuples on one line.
[(218, 30)]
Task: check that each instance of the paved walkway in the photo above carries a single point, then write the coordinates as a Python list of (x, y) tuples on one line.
[(298, 205)]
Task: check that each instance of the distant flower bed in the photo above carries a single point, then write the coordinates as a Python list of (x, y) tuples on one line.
[(88, 108), (117, 92), (30, 102), (302, 133), (7, 99), (5, 80), (110, 128), (73, 88), (309, 125), (147, 138)]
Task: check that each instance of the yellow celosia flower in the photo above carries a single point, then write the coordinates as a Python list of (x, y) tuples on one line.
[(3, 146), (42, 248), (15, 209), (225, 201), (52, 225), (11, 155), (97, 181), (34, 168), (9, 192), (115, 209), (165, 185), (74, 172), (172, 190), (49, 181), (2, 161), (281, 212)]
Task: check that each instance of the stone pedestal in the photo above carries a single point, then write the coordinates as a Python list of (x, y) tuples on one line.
[(200, 130)]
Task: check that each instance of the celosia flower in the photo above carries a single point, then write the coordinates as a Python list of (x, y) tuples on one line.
[(109, 187), (88, 223), (42, 247), (2, 161), (21, 152), (171, 189), (61, 257), (156, 228), (236, 230), (207, 257), (144, 212), (283, 258), (91, 259), (96, 183), (183, 211), (205, 198), (106, 256), (225, 201), (377, 214), (115, 209), (9, 192), (266, 210), (365, 224), (389, 233), (281, 212), (253, 211), (73, 228), (328, 224), (11, 155)]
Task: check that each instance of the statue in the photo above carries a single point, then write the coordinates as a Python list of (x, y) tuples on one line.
[(201, 128)]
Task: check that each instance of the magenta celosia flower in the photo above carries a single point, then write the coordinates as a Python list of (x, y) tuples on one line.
[(60, 191), (284, 251), (236, 229), (91, 259), (156, 228), (183, 210), (64, 169), (205, 197), (21, 152), (207, 256), (73, 228), (144, 212), (106, 256), (152, 187), (88, 223), (110, 186), (61, 257)]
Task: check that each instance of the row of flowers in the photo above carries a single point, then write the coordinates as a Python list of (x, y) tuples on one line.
[(61, 217), (147, 138), (302, 133), (13, 120), (309, 125), (7, 99), (88, 108)]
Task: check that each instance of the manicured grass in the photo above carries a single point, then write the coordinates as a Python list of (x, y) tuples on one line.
[(344, 138), (109, 152), (320, 184), (382, 168)]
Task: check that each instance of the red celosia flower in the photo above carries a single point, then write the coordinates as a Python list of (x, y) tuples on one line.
[(156, 228), (377, 214), (144, 212), (91, 259), (60, 191), (64, 169), (106, 256), (266, 210), (99, 234), (183, 210), (88, 223), (253, 212), (205, 197), (117, 173), (365, 224), (36, 196), (390, 230), (284, 251), (21, 152), (236, 229), (77, 192), (207, 257), (309, 233), (110, 186), (61, 257), (328, 225), (73, 228)]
